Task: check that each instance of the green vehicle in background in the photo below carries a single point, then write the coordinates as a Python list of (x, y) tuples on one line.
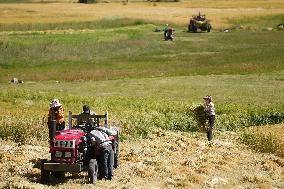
[(199, 22)]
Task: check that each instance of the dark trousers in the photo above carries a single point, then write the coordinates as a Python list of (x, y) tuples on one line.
[(211, 126), (106, 162)]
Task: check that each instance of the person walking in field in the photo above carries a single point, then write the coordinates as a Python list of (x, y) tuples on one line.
[(209, 110), (56, 112)]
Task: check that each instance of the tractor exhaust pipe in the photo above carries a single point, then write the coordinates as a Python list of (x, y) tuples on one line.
[(52, 129)]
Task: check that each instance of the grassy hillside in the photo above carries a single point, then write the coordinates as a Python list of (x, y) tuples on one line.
[(136, 51), (146, 76), (143, 81)]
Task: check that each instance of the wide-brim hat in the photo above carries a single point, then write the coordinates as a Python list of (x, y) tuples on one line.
[(207, 97)]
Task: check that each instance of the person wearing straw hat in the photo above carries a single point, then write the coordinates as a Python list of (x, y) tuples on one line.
[(56, 112), (209, 110)]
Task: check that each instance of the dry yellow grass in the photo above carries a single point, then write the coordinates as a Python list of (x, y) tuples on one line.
[(274, 131), (166, 160), (177, 13)]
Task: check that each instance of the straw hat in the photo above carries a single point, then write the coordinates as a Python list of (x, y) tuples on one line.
[(208, 97)]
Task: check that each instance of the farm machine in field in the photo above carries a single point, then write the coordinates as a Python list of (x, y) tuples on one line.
[(87, 1), (199, 22), (73, 151)]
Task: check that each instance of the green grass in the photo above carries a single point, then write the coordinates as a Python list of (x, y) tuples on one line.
[(136, 51), (258, 22), (140, 105), (141, 80)]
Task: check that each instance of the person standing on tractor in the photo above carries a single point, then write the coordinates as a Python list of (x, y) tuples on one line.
[(83, 117), (56, 112), (209, 110)]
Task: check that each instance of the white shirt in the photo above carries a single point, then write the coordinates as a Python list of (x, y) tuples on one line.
[(209, 108), (99, 137)]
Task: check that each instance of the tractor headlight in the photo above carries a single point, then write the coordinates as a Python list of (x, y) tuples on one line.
[(68, 154), (58, 154)]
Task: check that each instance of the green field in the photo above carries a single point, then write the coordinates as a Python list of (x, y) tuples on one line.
[(138, 52), (144, 82)]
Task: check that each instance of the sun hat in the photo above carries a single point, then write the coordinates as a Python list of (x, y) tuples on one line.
[(208, 97), (55, 103)]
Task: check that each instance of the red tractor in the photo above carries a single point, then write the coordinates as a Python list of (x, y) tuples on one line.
[(72, 151)]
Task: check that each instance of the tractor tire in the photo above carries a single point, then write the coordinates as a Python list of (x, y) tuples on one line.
[(116, 156), (208, 28), (44, 176), (192, 28), (93, 171)]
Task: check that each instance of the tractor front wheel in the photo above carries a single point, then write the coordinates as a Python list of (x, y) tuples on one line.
[(93, 171), (192, 28)]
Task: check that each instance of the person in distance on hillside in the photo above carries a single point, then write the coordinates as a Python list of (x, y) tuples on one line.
[(56, 112), (209, 110), (166, 30)]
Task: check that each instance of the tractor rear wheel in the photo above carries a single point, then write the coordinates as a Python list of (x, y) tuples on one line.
[(116, 155), (44, 176), (208, 28), (93, 171)]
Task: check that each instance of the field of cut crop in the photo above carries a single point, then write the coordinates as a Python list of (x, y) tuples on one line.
[(108, 55)]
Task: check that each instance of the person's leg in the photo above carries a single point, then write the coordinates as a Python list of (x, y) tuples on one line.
[(110, 163), (100, 166), (105, 163), (210, 129)]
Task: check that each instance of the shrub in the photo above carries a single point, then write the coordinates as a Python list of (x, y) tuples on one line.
[(261, 142)]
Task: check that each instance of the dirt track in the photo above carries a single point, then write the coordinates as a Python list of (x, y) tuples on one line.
[(167, 160)]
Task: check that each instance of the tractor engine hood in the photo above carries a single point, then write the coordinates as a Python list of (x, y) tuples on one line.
[(70, 134)]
